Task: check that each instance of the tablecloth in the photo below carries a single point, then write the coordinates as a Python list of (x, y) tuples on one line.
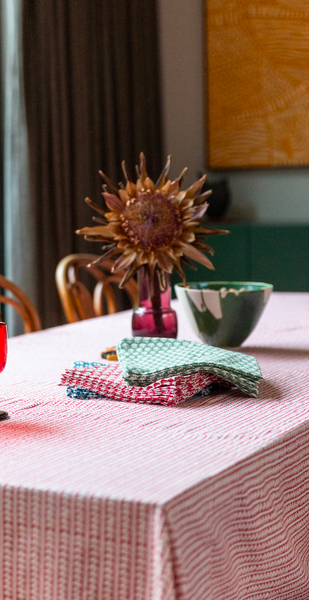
[(103, 500)]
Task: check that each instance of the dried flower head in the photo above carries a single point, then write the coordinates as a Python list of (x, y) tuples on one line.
[(149, 224)]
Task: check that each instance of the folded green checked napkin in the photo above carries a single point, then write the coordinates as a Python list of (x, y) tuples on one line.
[(145, 360)]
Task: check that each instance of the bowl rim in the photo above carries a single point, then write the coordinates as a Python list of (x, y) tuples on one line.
[(226, 283)]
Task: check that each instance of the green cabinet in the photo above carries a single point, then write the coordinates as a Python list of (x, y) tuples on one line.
[(280, 255), (277, 254)]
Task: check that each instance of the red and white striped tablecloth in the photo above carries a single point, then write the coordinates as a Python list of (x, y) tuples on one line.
[(105, 500)]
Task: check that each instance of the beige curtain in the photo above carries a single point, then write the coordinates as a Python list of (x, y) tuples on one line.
[(92, 95)]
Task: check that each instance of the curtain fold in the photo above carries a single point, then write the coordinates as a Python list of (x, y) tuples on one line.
[(92, 95)]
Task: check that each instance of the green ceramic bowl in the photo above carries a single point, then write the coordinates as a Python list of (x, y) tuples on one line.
[(223, 313)]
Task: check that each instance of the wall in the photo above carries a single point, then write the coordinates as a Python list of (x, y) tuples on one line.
[(269, 196)]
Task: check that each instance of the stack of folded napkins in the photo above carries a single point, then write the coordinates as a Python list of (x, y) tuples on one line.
[(105, 381), (145, 360), (163, 371)]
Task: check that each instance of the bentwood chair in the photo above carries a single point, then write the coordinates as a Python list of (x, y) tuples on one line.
[(21, 303), (78, 302)]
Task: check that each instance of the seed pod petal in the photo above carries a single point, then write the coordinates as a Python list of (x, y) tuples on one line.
[(113, 202), (196, 187), (198, 256)]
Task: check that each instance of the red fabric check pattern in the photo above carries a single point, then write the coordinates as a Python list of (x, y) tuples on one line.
[(108, 381)]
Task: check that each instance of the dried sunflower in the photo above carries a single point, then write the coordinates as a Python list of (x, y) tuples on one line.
[(155, 225)]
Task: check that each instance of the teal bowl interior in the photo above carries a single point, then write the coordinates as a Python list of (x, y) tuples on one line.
[(223, 313)]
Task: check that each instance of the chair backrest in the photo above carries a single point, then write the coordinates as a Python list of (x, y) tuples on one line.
[(77, 301), (21, 303)]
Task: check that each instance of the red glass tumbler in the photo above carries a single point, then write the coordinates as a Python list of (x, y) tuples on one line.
[(3, 346), (3, 356)]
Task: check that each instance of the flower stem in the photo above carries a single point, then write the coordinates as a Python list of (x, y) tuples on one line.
[(156, 304)]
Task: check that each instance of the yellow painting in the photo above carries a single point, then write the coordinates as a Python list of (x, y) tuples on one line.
[(257, 74)]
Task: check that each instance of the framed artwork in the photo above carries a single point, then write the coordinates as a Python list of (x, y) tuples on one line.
[(257, 78)]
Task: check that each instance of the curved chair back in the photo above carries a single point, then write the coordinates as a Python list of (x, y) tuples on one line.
[(77, 301), (21, 303)]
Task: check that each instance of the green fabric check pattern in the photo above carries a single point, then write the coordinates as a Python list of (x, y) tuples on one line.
[(146, 360)]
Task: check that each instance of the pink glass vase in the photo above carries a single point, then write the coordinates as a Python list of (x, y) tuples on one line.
[(154, 316)]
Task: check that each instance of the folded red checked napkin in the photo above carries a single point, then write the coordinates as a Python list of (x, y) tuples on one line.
[(107, 381)]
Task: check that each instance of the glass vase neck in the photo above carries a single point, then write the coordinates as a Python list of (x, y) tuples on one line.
[(154, 316), (150, 294)]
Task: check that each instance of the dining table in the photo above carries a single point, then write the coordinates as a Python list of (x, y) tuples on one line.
[(112, 500)]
